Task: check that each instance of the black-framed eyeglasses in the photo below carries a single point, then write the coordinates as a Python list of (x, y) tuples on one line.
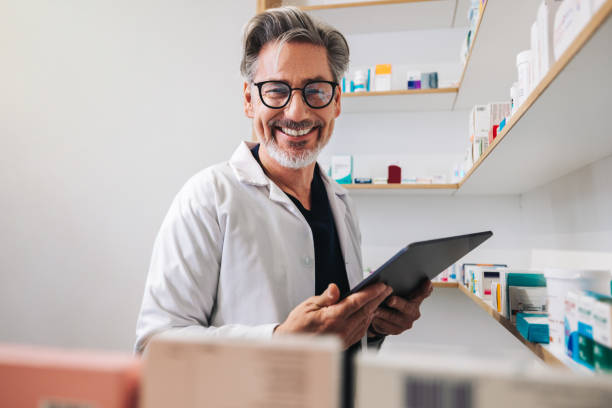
[(277, 94)]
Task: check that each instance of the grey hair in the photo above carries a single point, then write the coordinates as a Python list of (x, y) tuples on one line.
[(290, 24)]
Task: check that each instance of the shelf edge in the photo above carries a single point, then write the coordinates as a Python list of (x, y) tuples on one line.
[(400, 186)]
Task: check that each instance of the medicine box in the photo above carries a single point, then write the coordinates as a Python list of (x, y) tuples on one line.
[(480, 277), (191, 370), (602, 335), (342, 169), (533, 327), (570, 323), (382, 78), (530, 295), (525, 299), (498, 301), (45, 377), (483, 117), (586, 305)]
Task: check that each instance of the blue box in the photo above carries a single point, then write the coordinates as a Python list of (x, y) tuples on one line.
[(533, 327)]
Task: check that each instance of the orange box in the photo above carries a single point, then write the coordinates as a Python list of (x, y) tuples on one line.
[(41, 377)]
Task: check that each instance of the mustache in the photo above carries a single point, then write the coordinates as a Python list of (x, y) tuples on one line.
[(291, 124)]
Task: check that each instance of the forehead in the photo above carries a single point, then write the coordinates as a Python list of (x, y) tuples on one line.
[(292, 62)]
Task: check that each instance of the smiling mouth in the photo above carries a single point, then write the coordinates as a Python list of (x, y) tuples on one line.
[(295, 132)]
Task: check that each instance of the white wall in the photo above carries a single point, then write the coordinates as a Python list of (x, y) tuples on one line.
[(106, 108), (569, 221)]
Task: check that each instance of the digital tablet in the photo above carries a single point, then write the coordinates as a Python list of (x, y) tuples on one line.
[(422, 261)]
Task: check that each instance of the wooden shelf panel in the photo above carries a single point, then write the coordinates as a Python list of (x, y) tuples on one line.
[(561, 126), (399, 101), (386, 15), (418, 189), (400, 186), (503, 31), (445, 284)]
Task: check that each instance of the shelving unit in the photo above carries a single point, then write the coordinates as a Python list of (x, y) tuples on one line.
[(552, 135), (543, 351), (547, 131)]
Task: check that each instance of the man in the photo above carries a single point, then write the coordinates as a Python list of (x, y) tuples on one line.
[(266, 243)]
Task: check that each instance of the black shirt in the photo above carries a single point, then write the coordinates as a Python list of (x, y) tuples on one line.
[(329, 262)]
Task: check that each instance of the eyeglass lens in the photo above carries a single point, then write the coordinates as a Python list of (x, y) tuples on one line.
[(316, 94)]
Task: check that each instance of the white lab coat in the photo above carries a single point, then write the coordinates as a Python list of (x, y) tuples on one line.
[(234, 255)]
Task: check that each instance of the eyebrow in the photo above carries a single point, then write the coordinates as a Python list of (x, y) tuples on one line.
[(316, 78)]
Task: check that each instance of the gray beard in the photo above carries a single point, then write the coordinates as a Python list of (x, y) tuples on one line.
[(297, 160)]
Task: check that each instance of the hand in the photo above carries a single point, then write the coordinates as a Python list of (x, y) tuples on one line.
[(398, 314), (348, 319)]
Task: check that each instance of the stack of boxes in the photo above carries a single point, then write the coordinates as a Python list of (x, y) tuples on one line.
[(485, 122)]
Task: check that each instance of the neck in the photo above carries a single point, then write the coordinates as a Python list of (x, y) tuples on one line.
[(292, 181)]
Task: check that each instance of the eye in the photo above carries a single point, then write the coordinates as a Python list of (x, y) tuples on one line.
[(275, 90)]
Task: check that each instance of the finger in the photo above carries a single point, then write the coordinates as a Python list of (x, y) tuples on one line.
[(398, 318), (423, 292), (371, 306), (401, 304), (357, 328), (327, 298), (356, 301), (356, 324), (386, 327)]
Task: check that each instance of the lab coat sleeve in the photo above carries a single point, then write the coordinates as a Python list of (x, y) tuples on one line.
[(181, 287)]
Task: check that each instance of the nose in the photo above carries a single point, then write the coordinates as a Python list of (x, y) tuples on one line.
[(296, 109)]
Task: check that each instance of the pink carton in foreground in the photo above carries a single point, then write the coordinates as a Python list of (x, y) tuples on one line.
[(40, 377)]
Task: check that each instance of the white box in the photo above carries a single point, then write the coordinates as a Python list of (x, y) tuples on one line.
[(570, 18), (602, 323), (526, 299), (401, 380), (190, 370), (546, 22), (570, 323), (480, 122), (342, 169)]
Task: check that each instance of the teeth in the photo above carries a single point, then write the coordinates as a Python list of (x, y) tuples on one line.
[(292, 132)]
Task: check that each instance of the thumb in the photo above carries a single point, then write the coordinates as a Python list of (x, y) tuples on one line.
[(329, 297)]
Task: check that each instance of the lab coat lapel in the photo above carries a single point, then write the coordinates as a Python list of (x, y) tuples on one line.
[(336, 195), (248, 171)]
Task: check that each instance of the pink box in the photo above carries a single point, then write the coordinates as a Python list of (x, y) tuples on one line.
[(40, 377)]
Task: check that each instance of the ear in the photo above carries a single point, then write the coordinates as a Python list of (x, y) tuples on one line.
[(337, 101), (247, 101)]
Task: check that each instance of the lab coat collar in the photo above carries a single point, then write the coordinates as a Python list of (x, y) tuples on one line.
[(248, 171), (246, 168)]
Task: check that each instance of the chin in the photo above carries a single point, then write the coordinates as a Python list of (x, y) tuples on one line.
[(290, 157)]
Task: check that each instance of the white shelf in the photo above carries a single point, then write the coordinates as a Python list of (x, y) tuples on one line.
[(399, 101), (388, 16), (562, 125)]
